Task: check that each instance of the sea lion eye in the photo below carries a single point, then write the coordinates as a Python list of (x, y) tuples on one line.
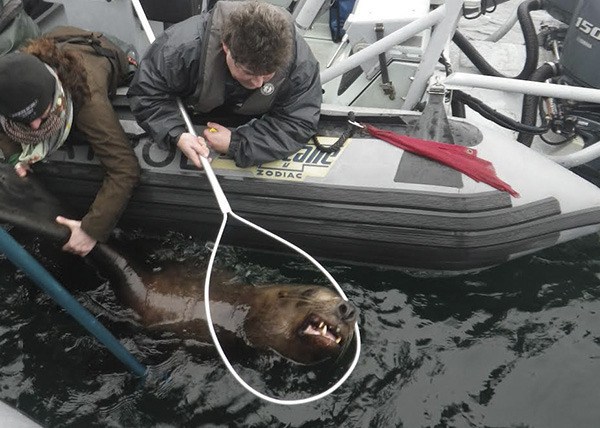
[(309, 293), (282, 295)]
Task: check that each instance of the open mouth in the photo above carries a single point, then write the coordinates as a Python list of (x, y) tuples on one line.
[(317, 326)]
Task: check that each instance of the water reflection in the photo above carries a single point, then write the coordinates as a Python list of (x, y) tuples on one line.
[(516, 345)]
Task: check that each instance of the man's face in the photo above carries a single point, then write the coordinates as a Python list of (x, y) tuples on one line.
[(37, 122), (242, 75)]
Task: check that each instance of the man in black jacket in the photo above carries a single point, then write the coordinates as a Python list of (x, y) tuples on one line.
[(245, 57)]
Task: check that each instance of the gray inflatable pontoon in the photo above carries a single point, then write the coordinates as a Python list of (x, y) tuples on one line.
[(370, 202)]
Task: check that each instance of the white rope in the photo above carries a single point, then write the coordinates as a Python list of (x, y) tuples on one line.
[(216, 340), (226, 209)]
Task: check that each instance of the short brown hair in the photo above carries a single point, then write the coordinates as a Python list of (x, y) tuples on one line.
[(259, 36)]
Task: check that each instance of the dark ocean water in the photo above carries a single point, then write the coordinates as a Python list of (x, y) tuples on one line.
[(514, 346)]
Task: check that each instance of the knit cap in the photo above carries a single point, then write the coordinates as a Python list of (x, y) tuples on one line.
[(26, 87)]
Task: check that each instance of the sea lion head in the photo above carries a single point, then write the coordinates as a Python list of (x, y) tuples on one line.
[(304, 323)]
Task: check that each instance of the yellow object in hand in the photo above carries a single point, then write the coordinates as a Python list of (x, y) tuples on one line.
[(212, 130)]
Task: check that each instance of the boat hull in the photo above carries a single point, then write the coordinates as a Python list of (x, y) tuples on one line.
[(369, 203)]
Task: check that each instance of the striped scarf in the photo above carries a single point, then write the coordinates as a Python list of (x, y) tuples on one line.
[(36, 144)]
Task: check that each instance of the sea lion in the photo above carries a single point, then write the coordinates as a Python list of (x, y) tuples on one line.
[(304, 323)]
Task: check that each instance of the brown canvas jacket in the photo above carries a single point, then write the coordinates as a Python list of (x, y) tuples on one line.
[(98, 122)]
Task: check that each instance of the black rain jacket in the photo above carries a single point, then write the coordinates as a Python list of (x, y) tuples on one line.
[(189, 54)]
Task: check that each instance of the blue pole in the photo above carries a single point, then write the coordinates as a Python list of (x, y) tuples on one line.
[(25, 261)]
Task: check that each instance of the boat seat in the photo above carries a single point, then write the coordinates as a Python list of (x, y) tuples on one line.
[(171, 11)]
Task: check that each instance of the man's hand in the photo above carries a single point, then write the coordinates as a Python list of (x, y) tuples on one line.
[(193, 147), (22, 169), (218, 137), (79, 243)]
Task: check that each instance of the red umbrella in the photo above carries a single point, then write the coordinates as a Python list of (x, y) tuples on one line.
[(461, 158)]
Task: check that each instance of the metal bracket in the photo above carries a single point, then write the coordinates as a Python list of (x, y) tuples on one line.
[(386, 85), (436, 88)]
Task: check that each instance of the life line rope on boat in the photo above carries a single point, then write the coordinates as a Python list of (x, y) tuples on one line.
[(339, 143), (227, 211)]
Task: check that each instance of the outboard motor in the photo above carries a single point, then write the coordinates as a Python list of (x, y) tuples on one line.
[(561, 9), (555, 121), (581, 47), (579, 54)]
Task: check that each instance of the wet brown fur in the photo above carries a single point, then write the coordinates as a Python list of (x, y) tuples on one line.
[(265, 317)]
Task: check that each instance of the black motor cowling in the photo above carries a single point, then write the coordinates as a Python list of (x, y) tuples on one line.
[(561, 9), (581, 48)]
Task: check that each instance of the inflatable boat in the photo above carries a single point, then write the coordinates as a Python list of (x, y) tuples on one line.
[(13, 418), (370, 202)]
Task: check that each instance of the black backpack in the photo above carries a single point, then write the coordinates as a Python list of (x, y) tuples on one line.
[(122, 56)]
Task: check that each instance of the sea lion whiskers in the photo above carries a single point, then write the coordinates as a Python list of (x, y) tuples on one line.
[(304, 323), (344, 347)]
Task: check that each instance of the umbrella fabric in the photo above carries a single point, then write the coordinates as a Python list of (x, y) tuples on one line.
[(463, 159)]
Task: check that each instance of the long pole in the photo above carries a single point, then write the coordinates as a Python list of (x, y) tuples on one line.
[(226, 210), (42, 278), (468, 80)]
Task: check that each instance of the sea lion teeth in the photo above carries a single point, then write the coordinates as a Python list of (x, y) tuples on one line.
[(266, 317), (287, 319), (338, 329)]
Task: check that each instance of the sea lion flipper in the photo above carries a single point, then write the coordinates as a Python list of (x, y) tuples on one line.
[(25, 203)]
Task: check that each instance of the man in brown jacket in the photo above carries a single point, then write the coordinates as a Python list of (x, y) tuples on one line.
[(46, 89)]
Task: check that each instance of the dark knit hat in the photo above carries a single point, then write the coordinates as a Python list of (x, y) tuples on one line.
[(26, 87)]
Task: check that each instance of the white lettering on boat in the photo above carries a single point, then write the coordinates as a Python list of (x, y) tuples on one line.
[(587, 27), (307, 162)]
